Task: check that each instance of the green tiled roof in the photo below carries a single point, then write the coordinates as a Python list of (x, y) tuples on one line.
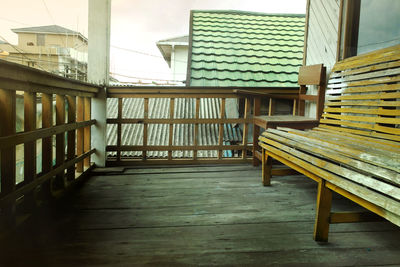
[(235, 48)]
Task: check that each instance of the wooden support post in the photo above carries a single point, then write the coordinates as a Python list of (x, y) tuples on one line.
[(324, 202), (145, 126), (266, 165), (302, 103), (8, 160), (171, 126), (71, 146), (80, 110), (47, 142), (271, 107), (196, 128), (29, 147), (256, 130), (221, 127), (119, 128), (60, 140), (246, 127), (86, 131)]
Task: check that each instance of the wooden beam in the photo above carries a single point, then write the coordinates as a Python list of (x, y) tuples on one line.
[(179, 121), (152, 162), (352, 217), (71, 135), (8, 160)]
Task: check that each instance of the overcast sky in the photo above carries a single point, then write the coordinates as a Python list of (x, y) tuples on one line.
[(135, 24)]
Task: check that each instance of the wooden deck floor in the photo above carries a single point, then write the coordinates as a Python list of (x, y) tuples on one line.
[(180, 216)]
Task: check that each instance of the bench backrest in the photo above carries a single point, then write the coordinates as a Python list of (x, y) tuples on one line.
[(363, 95), (312, 75)]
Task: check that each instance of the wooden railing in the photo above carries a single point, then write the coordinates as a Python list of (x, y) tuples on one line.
[(65, 120), (182, 136)]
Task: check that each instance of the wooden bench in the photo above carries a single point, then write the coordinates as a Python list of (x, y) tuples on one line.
[(355, 150)]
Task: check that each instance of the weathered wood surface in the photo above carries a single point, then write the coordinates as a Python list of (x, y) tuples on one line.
[(198, 215), (356, 148)]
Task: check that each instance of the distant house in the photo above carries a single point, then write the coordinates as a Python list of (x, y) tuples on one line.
[(52, 48), (175, 53)]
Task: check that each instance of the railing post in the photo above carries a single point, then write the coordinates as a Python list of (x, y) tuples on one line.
[(8, 161), (171, 126), (246, 127), (119, 128), (60, 140), (29, 147), (145, 116), (256, 130), (47, 142), (79, 135), (196, 128), (71, 136), (221, 127), (87, 131)]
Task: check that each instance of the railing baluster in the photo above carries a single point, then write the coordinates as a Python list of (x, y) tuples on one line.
[(171, 126), (71, 137), (256, 129), (221, 127), (119, 128), (8, 161), (60, 139), (79, 132), (29, 147), (87, 131), (246, 127), (145, 116), (196, 128)]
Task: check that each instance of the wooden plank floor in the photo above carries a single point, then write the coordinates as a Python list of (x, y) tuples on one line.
[(200, 215)]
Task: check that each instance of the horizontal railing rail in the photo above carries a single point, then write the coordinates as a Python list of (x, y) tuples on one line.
[(28, 96), (193, 124)]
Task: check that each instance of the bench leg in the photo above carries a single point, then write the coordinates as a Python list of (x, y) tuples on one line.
[(324, 203), (266, 168)]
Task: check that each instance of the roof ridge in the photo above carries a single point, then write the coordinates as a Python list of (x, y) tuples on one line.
[(244, 12)]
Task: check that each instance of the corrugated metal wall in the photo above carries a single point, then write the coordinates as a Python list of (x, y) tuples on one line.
[(322, 37)]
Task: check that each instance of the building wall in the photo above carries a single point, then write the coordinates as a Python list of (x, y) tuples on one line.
[(322, 37), (52, 40), (179, 64)]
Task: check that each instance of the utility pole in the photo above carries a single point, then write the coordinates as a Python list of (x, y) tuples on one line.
[(98, 72)]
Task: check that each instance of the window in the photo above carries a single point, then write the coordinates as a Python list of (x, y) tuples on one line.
[(40, 39), (369, 25)]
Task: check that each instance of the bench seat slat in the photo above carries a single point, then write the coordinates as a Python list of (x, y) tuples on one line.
[(374, 127), (364, 89), (356, 153), (366, 82), (376, 67), (361, 132), (352, 187), (380, 103), (369, 111), (364, 96), (363, 76), (388, 175), (372, 119), (337, 169)]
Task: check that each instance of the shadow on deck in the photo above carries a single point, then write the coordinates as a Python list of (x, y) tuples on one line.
[(199, 215)]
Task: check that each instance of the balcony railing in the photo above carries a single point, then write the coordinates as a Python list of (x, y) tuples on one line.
[(63, 137), (45, 130), (179, 125)]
